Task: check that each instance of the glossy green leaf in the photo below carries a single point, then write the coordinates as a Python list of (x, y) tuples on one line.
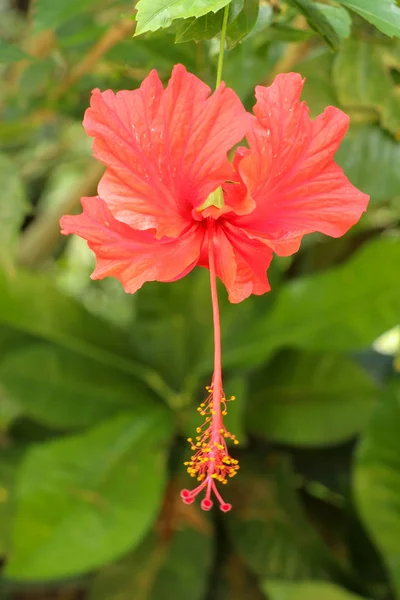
[(369, 157), (377, 480), (268, 526), (162, 567), (13, 207), (154, 14), (345, 308), (10, 53), (338, 17), (318, 21), (306, 590), (307, 399), (96, 496), (384, 14), (61, 389)]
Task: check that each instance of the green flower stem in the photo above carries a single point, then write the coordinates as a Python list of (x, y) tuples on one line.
[(222, 46)]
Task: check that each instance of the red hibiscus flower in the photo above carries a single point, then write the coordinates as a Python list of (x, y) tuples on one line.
[(170, 200)]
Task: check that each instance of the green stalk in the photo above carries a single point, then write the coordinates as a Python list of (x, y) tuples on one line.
[(222, 46)]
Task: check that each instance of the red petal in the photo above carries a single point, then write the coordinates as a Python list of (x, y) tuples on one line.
[(241, 263), (131, 256), (290, 171), (165, 150)]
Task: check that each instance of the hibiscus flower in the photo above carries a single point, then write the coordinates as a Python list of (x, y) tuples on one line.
[(170, 200)]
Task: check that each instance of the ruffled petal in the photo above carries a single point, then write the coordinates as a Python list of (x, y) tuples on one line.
[(290, 170), (165, 150), (132, 256), (240, 262)]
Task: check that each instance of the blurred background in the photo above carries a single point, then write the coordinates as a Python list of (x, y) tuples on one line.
[(98, 389)]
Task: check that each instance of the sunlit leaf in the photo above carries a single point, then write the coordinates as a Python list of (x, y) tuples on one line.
[(154, 14), (96, 496), (384, 14)]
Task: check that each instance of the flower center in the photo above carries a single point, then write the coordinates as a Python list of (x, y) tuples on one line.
[(216, 198)]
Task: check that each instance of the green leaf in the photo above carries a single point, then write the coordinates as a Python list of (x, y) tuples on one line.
[(96, 496), (48, 14), (268, 526), (318, 21), (203, 28), (377, 480), (31, 304), (306, 590), (62, 389), (9, 53), (345, 308), (385, 14), (176, 567), (338, 17), (154, 14), (307, 399), (13, 207), (362, 80), (370, 159), (243, 18)]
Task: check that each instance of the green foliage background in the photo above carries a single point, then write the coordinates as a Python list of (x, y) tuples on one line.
[(98, 389)]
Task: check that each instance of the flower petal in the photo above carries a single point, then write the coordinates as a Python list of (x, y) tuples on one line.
[(131, 256), (240, 262), (290, 171), (165, 150)]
